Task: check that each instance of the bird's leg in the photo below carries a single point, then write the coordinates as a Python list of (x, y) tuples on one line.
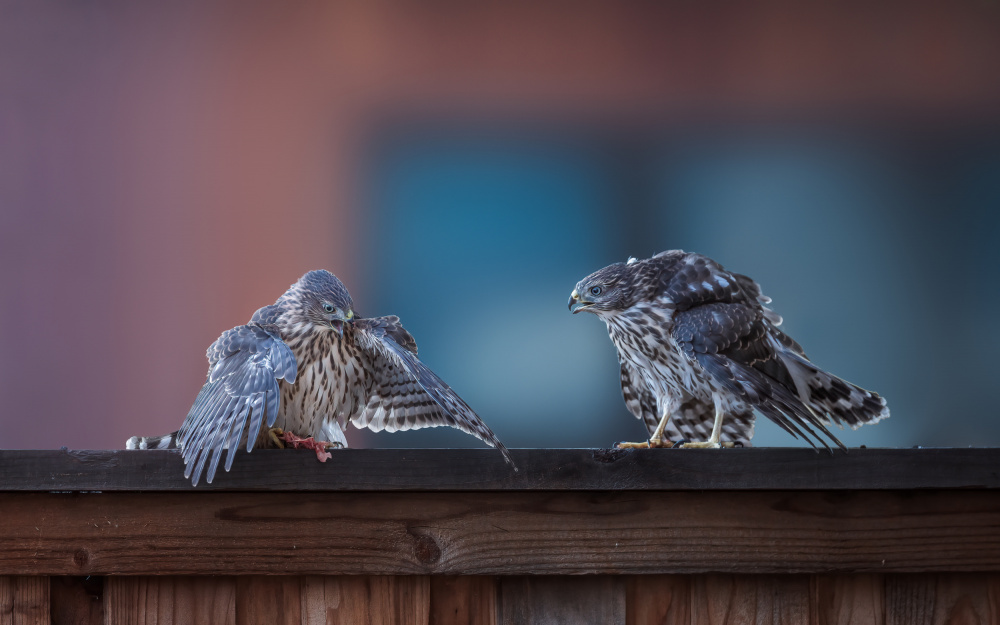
[(656, 440), (713, 441), (276, 434)]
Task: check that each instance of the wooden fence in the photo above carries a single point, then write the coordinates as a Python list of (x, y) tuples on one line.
[(454, 536)]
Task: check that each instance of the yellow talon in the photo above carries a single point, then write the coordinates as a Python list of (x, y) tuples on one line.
[(644, 445), (650, 444), (275, 435)]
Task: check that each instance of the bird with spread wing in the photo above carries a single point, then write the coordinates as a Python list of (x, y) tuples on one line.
[(306, 366), (700, 352)]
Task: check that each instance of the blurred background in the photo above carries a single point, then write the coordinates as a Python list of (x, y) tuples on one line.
[(167, 168)]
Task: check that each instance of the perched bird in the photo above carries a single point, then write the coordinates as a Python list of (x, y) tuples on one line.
[(308, 365), (700, 352)]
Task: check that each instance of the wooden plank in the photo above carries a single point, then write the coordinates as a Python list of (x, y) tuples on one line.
[(404, 600), (463, 600), (849, 599), (342, 600), (760, 599), (24, 600), (561, 600), (6, 600), (935, 599), (499, 533), (540, 469), (327, 600), (658, 600), (77, 600), (268, 601), (169, 600)]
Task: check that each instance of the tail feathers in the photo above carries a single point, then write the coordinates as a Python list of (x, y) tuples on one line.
[(832, 399), (167, 441)]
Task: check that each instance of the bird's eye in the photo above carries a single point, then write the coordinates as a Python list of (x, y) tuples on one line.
[(328, 308), (595, 290)]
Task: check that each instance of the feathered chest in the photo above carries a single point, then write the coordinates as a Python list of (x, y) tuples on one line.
[(330, 382), (643, 339)]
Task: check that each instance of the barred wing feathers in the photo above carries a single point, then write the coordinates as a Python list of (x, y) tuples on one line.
[(241, 393), (733, 343), (404, 393)]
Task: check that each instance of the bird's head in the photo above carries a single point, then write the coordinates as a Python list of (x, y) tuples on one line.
[(325, 301), (605, 291)]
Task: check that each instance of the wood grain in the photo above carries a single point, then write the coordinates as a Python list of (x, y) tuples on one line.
[(941, 599), (760, 599), (170, 600), (539, 469), (849, 599), (499, 533), (77, 600), (24, 600), (562, 600), (268, 601), (658, 600), (6, 600), (463, 600), (326, 600)]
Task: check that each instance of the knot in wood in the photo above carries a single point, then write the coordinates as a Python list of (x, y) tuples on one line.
[(81, 557), (426, 549)]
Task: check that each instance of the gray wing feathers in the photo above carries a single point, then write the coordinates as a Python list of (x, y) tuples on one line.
[(730, 341), (405, 394), (241, 391), (693, 279)]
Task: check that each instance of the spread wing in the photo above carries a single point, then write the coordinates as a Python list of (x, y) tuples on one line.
[(404, 393), (731, 342), (241, 392), (693, 420)]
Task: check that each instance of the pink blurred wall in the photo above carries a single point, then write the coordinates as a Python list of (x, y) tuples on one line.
[(167, 168)]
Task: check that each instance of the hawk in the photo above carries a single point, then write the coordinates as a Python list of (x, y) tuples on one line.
[(700, 352), (309, 365)]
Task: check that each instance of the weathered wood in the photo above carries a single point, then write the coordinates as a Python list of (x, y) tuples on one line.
[(562, 600), (24, 600), (327, 600), (499, 533), (6, 600), (77, 600), (760, 599), (849, 599), (941, 599), (463, 600), (539, 469), (400, 600), (658, 600), (268, 601), (170, 600)]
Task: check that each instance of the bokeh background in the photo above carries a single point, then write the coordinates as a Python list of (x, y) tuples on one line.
[(167, 168)]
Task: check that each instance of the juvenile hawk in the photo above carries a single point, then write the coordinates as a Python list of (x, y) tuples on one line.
[(699, 352), (308, 365)]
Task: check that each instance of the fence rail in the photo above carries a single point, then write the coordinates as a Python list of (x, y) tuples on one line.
[(455, 536)]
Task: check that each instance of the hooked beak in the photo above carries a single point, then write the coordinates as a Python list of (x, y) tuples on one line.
[(337, 323), (577, 303)]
